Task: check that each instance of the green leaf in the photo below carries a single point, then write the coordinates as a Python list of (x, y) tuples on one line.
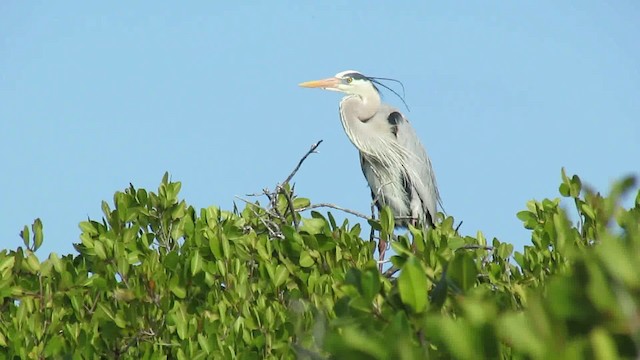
[(89, 228), (124, 295), (99, 249), (178, 316), (55, 261), (358, 345), (418, 238), (196, 263), (261, 247), (45, 268), (463, 270), (176, 288), (455, 242), (313, 226), (387, 222), (281, 275), (400, 248), (459, 338), (525, 215), (604, 347), (214, 244), (299, 203), (224, 241), (412, 284), (26, 238), (107, 311), (204, 343), (54, 347), (37, 234), (529, 218), (619, 261), (332, 220), (517, 330), (171, 260), (305, 259), (374, 224), (122, 264), (370, 284), (439, 292), (120, 320), (33, 264), (503, 251), (6, 263), (576, 186), (519, 258), (588, 211)]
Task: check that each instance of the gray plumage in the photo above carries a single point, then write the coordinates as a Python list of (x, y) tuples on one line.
[(393, 160)]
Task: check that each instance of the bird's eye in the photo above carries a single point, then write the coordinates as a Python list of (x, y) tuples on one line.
[(349, 80)]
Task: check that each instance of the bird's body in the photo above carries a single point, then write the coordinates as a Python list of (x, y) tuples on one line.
[(393, 160)]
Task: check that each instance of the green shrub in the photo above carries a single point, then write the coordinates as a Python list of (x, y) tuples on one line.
[(155, 278)]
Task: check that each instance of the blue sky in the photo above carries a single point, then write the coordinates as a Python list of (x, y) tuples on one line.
[(503, 94)]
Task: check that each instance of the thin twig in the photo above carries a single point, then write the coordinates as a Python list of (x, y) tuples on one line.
[(476, 247), (458, 227), (272, 233), (410, 218), (273, 202), (379, 193), (290, 206), (332, 206), (373, 217), (272, 211), (390, 271), (311, 150), (258, 206)]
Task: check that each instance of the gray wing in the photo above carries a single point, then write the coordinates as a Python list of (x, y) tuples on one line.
[(381, 191), (419, 164)]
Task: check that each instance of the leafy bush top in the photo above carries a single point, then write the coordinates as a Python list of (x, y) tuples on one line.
[(157, 279)]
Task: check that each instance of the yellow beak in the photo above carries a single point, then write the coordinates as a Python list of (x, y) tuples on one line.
[(325, 83)]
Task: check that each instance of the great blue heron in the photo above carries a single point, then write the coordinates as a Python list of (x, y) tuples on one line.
[(393, 160)]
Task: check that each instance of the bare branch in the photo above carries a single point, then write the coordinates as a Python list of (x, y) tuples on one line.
[(311, 150), (272, 210), (390, 272), (273, 233), (332, 206), (476, 247), (458, 227), (257, 206), (280, 188), (290, 206), (373, 217), (270, 228), (273, 202)]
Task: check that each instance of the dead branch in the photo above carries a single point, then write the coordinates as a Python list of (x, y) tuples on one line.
[(373, 217), (390, 272), (332, 206), (258, 206), (295, 170), (476, 247), (458, 227), (291, 209)]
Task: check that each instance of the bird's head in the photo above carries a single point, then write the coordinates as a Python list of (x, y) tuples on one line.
[(349, 82)]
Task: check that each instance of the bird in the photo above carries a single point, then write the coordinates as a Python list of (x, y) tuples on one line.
[(393, 159)]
